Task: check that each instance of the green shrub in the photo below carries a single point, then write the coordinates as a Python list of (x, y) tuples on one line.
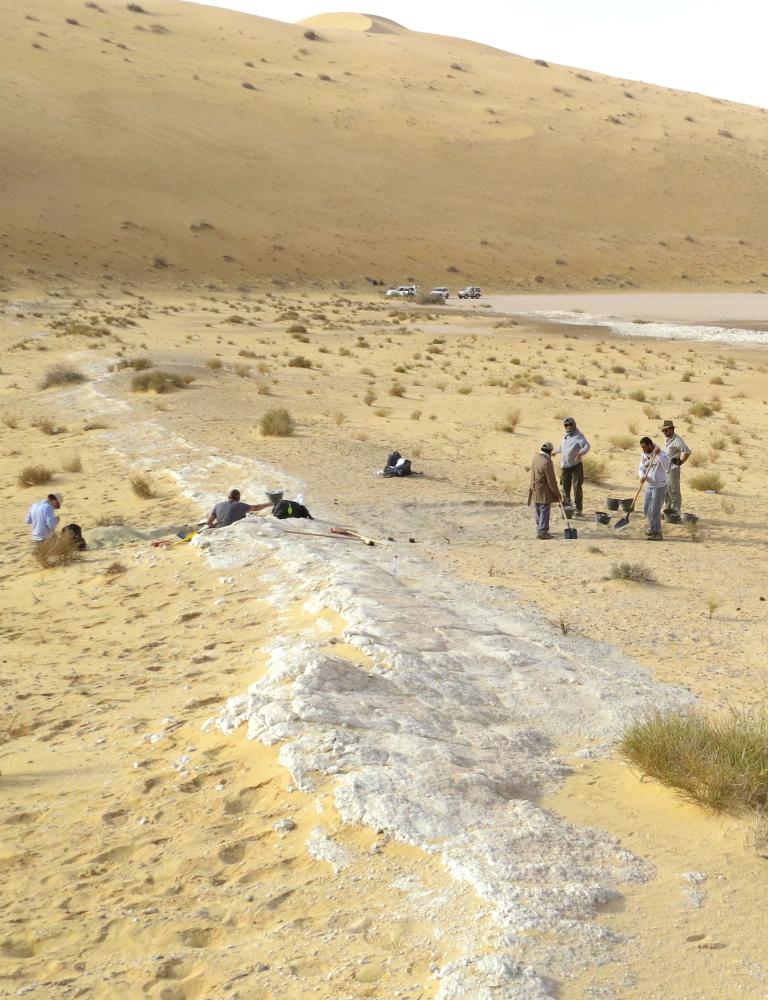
[(720, 762), (277, 423), (700, 410)]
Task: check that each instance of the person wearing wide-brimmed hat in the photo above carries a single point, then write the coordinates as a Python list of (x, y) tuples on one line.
[(678, 453), (543, 491), (42, 518)]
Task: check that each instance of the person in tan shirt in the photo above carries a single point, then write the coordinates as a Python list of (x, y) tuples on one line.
[(544, 490)]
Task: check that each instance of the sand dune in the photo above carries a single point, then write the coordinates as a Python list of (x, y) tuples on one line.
[(191, 145)]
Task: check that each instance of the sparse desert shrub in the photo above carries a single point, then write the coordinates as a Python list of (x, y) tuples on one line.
[(158, 381), (264, 389), (312, 35), (719, 443), (686, 377), (138, 364), (634, 572), (705, 481), (464, 390), (35, 475), (135, 8), (719, 762), (297, 328), (73, 464), (716, 380), (95, 425), (622, 441), (215, 364), (638, 395), (299, 362), (700, 410), (370, 397), (509, 424), (46, 426), (61, 375), (594, 469), (416, 415), (58, 550), (618, 369), (428, 299), (697, 459), (109, 520), (115, 569), (396, 390), (242, 371), (142, 487), (10, 420), (277, 423)]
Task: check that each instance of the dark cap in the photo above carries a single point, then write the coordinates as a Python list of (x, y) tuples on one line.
[(667, 426)]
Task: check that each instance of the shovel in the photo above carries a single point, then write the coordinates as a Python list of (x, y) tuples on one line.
[(624, 521), (568, 531)]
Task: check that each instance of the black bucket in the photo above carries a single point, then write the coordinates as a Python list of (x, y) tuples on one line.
[(626, 505), (601, 517), (672, 518), (570, 532), (612, 504)]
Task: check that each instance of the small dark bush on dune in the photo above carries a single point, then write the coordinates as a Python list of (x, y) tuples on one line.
[(61, 375), (142, 487), (299, 362), (634, 572)]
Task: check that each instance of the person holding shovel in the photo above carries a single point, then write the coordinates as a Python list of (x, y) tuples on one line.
[(678, 453), (653, 471), (543, 491)]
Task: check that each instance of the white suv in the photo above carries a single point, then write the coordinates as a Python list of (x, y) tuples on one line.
[(402, 291), (470, 292), (441, 290)]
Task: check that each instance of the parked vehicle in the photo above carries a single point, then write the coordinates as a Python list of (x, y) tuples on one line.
[(441, 290), (402, 291), (470, 292)]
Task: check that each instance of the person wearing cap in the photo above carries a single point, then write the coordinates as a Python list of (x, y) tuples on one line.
[(572, 450), (543, 491), (678, 453), (42, 518), (653, 469), (232, 509)]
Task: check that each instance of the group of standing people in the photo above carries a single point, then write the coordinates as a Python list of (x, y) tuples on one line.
[(659, 470)]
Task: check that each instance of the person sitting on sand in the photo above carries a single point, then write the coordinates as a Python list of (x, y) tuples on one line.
[(232, 509), (42, 518)]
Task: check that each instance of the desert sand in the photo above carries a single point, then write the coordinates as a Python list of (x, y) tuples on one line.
[(140, 849), (189, 145), (267, 762)]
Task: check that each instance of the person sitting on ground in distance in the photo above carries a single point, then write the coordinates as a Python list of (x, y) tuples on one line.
[(654, 467), (232, 509), (42, 518), (543, 491), (572, 450), (679, 453), (76, 532)]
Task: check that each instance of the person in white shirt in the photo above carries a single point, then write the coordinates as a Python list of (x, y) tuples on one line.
[(572, 450), (42, 518), (678, 453), (653, 469)]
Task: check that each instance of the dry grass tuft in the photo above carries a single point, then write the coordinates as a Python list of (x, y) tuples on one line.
[(47, 426), (58, 550), (73, 464), (35, 475), (10, 420), (594, 470), (622, 441), (633, 572), (719, 762), (109, 520), (277, 423), (61, 375), (158, 381), (704, 481), (509, 424), (215, 364), (115, 569), (142, 487)]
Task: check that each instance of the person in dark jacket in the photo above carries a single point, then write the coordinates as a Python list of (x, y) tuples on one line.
[(544, 490)]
